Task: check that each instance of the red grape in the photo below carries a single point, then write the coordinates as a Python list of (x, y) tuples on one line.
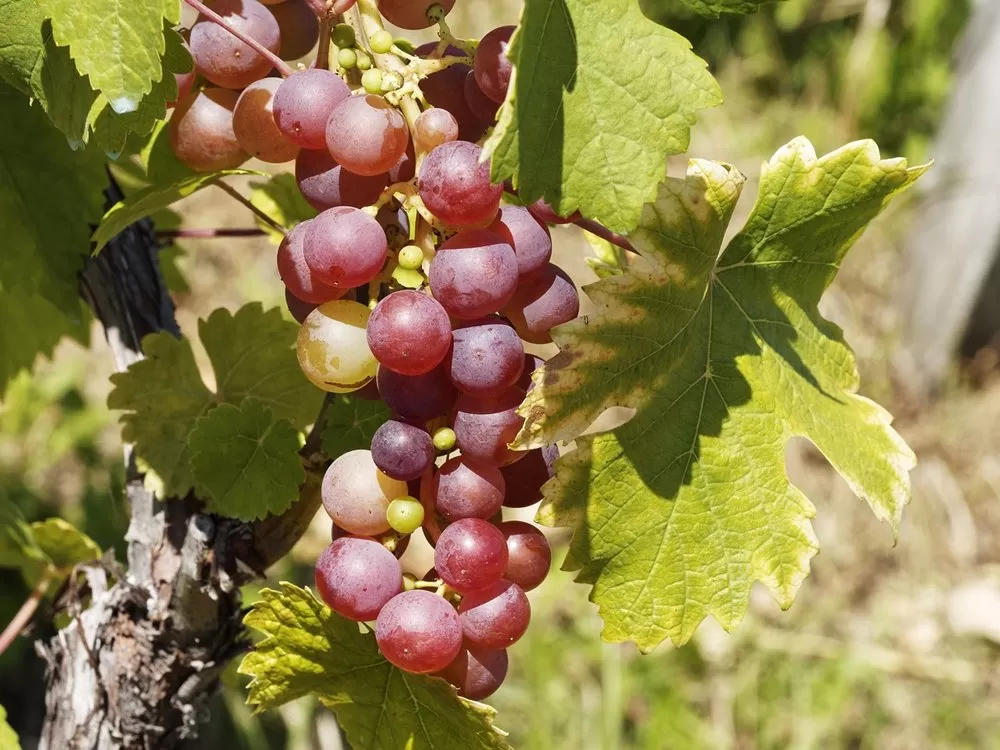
[(528, 236), (201, 131), (221, 57), (418, 632), (366, 134), (295, 273), (357, 577), (466, 489), (523, 480), (303, 103), (474, 274), (470, 554), (417, 397), (493, 68), (476, 672), (299, 27), (455, 186), (345, 247), (543, 301), (486, 357), (411, 14), (253, 123), (409, 332), (402, 451), (495, 616), (484, 426), (528, 552), (325, 184)]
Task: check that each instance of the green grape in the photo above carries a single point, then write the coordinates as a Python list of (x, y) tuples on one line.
[(343, 35), (333, 348), (444, 439), (381, 41), (405, 514), (391, 81), (364, 61), (406, 45), (411, 257), (372, 81), (347, 59)]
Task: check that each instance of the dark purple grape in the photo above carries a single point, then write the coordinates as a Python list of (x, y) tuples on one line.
[(470, 554), (299, 28), (484, 426), (493, 67), (476, 672), (474, 274), (466, 489), (455, 186), (418, 632), (481, 105), (299, 308), (523, 480), (417, 397), (528, 236), (402, 451), (528, 552), (357, 577), (487, 357), (446, 89), (409, 332), (496, 616)]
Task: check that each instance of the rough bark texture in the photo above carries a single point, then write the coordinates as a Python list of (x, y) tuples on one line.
[(137, 667)]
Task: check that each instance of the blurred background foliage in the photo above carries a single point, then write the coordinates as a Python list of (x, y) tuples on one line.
[(886, 647)]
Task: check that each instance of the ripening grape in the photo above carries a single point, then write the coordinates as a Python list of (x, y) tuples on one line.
[(254, 126), (409, 332), (405, 514), (325, 184), (345, 247), (528, 236), (543, 301), (411, 14), (356, 494), (299, 308), (492, 67), (445, 90), (546, 213), (444, 439), (474, 274), (476, 672), (332, 349), (303, 103), (366, 134), (347, 58), (371, 81), (201, 131), (496, 616), (528, 554), (470, 554), (417, 397), (295, 273), (299, 28), (486, 357), (484, 426), (357, 577), (434, 127), (455, 186), (523, 480), (221, 57), (418, 632), (401, 450), (481, 105), (466, 489), (411, 257)]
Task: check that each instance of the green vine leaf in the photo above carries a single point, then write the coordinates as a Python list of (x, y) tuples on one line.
[(725, 357), (122, 61), (351, 423), (600, 94), (246, 463), (155, 198), (713, 8), (8, 737), (281, 199), (252, 354), (52, 545), (307, 649)]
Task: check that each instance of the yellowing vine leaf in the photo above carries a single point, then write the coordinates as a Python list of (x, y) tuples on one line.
[(307, 649), (8, 737), (725, 357)]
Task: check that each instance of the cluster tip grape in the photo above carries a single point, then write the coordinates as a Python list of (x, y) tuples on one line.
[(445, 351)]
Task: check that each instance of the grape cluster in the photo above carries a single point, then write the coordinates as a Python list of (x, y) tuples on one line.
[(442, 343)]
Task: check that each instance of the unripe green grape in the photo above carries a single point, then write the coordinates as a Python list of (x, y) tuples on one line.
[(332, 347), (391, 81), (444, 439), (343, 35), (405, 514), (372, 81), (381, 41), (406, 45), (364, 61), (411, 257), (347, 59)]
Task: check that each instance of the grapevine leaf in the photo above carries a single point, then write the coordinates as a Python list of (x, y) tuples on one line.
[(307, 649), (712, 8), (63, 544), (351, 423), (53, 544), (281, 199), (600, 94), (17, 544), (246, 463), (725, 358), (152, 199), (8, 737), (122, 61), (158, 159), (164, 396), (48, 197)]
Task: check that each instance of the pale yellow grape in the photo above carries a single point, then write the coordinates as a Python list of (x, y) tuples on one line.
[(333, 347), (356, 494)]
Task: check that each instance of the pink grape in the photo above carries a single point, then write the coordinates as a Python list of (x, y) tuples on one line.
[(409, 332), (253, 123), (496, 616), (523, 480), (357, 577), (470, 554), (466, 489), (486, 357), (356, 494), (543, 301), (417, 397), (366, 134), (345, 247), (401, 450), (528, 236), (325, 184), (201, 131), (299, 28), (493, 68), (434, 127), (295, 272), (476, 672), (474, 274), (411, 14), (221, 57), (455, 186), (418, 632), (484, 426), (529, 555), (303, 103), (481, 105)]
